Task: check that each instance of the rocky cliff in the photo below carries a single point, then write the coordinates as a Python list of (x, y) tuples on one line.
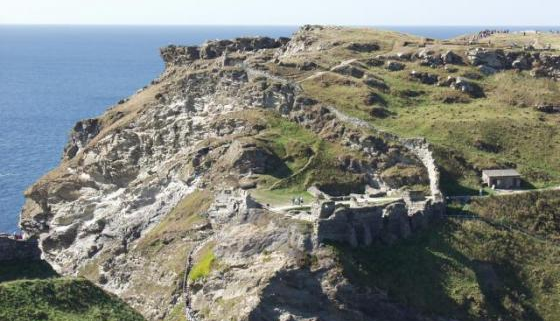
[(148, 200)]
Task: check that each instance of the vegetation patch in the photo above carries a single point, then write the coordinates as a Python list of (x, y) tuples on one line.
[(178, 222), (466, 270), (204, 265), (61, 299), (309, 158), (279, 197), (177, 314), (537, 213), (522, 90)]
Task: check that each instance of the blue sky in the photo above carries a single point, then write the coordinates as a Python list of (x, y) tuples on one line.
[(282, 12)]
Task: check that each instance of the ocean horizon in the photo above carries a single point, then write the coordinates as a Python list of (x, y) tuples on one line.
[(55, 75)]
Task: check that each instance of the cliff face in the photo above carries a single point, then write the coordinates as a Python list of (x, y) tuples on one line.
[(155, 183)]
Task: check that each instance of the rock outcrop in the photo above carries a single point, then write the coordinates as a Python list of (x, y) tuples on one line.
[(81, 134), (180, 55), (153, 186)]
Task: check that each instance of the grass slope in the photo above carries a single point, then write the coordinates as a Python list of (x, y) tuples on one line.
[(61, 299), (471, 269), (499, 130)]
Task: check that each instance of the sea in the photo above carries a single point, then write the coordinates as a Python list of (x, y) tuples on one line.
[(53, 76)]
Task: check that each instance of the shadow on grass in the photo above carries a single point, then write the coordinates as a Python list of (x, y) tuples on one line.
[(450, 185), (25, 270), (527, 185), (432, 273)]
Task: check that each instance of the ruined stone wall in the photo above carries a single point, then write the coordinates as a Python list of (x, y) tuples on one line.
[(372, 224), (11, 249), (421, 148), (180, 55)]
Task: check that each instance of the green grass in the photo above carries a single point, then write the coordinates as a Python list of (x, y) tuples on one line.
[(32, 290), (62, 300), (500, 130), (178, 222), (204, 265), (536, 212), (510, 135), (309, 158), (281, 197), (177, 314), (469, 269)]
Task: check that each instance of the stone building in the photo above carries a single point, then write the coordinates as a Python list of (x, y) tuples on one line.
[(502, 178)]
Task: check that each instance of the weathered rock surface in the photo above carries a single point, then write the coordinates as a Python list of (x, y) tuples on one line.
[(81, 134), (492, 58), (118, 208), (547, 108), (424, 77), (394, 65), (449, 57), (363, 47), (349, 68)]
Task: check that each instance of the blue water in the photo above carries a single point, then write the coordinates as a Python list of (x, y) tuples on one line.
[(50, 77)]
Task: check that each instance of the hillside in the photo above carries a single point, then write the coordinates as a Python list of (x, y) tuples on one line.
[(304, 179), (61, 299), (31, 290), (474, 269)]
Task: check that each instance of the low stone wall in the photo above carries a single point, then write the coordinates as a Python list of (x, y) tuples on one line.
[(12, 249)]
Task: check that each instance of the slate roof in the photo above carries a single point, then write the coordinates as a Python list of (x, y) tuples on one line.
[(500, 172)]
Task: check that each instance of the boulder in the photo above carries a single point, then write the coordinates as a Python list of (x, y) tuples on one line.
[(83, 132), (307, 66), (373, 62), (539, 72), (363, 47), (404, 56), (424, 53), (522, 63), (491, 58), (468, 87), (548, 108), (424, 77), (394, 66), (349, 68), (450, 69), (447, 82), (431, 61), (548, 66), (449, 57), (487, 70), (379, 112), (373, 82), (374, 99), (429, 58)]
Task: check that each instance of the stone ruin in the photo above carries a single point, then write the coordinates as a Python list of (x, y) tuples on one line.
[(357, 225), (14, 249), (181, 55)]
